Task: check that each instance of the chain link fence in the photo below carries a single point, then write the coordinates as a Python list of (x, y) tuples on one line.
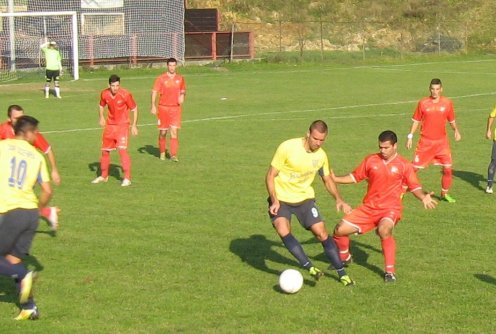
[(367, 38)]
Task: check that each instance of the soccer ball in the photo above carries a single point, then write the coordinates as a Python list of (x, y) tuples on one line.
[(290, 281)]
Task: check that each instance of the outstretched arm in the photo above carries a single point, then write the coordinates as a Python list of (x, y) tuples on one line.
[(331, 187), (426, 198)]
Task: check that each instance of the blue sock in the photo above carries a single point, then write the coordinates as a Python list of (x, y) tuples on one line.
[(331, 251), (16, 271), (294, 247)]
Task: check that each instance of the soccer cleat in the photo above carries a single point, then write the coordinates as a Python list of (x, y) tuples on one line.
[(126, 183), (489, 190), (59, 97), (26, 286), (53, 218), (389, 278), (315, 273), (28, 314), (100, 179), (174, 158), (448, 198), (162, 155), (347, 281)]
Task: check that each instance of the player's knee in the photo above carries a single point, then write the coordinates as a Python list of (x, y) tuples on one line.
[(339, 230), (384, 231), (56, 83)]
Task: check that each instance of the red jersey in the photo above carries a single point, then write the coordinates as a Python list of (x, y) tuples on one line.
[(385, 180), (434, 117), (119, 106), (7, 132), (169, 89)]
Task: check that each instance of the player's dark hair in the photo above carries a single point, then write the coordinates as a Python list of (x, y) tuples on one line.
[(171, 60), (389, 136), (318, 125), (25, 124), (114, 78), (13, 107), (435, 81)]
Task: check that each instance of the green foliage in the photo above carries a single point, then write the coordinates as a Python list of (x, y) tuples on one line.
[(188, 248)]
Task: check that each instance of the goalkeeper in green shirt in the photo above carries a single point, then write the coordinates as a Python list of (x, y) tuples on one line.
[(53, 61)]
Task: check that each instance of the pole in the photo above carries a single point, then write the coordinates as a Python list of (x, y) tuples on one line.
[(321, 40), (12, 37), (232, 43), (75, 47)]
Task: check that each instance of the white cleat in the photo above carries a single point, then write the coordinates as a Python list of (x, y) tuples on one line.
[(126, 183), (489, 190), (100, 179)]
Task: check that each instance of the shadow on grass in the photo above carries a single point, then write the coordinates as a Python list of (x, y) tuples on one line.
[(360, 256), (257, 249), (150, 149), (8, 292), (114, 170), (471, 178), (486, 278)]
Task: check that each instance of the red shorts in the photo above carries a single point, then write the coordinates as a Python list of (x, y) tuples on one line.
[(169, 116), (365, 218), (430, 151), (115, 136)]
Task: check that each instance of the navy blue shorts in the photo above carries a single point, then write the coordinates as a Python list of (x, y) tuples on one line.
[(307, 212), (17, 230)]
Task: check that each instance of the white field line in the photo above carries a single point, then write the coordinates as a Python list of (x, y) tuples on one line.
[(320, 69), (231, 117)]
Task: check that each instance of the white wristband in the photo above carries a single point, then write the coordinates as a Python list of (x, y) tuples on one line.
[(410, 136)]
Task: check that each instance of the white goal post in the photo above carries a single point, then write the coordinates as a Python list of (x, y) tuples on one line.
[(17, 36)]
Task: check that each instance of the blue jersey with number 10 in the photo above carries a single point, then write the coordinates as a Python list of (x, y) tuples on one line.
[(21, 167)]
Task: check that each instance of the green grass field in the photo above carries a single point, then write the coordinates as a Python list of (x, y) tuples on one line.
[(188, 248)]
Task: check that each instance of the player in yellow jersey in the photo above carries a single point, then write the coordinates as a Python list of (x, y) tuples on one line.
[(21, 167), (289, 184)]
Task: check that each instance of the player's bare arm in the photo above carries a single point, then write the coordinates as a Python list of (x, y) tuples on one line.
[(153, 109), (345, 179), (180, 100), (45, 194), (409, 138), (490, 121), (458, 136), (331, 187), (134, 126), (426, 198), (101, 116), (53, 165), (271, 189)]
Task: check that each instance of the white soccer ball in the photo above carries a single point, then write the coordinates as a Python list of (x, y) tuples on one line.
[(291, 281)]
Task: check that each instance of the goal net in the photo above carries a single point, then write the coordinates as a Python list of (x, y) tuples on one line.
[(108, 31)]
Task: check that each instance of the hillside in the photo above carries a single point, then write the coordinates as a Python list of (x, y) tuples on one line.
[(414, 25)]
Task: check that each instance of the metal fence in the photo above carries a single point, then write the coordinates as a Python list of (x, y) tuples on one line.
[(367, 37)]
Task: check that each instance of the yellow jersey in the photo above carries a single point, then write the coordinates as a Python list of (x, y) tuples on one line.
[(21, 167), (297, 169)]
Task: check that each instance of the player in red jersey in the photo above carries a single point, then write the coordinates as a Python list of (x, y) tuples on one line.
[(116, 127), (171, 88), (433, 112), (15, 111), (385, 173)]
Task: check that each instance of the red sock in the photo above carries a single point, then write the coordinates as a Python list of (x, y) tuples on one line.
[(105, 163), (45, 212), (126, 163), (343, 244), (446, 180), (174, 146), (389, 251), (161, 144)]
